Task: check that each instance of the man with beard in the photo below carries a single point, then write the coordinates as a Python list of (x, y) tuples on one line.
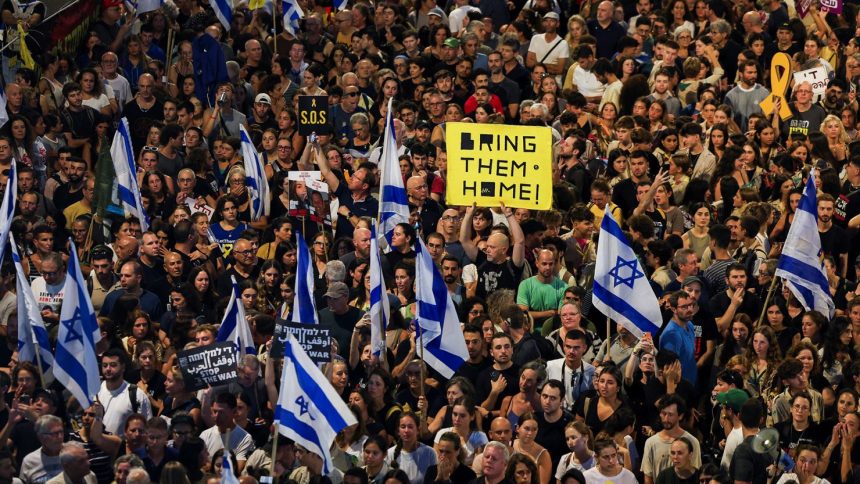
[(119, 397), (477, 361), (79, 121), (542, 293), (451, 271), (502, 85), (833, 237), (73, 191)]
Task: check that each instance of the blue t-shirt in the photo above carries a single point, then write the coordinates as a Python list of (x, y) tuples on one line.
[(683, 342), (226, 238)]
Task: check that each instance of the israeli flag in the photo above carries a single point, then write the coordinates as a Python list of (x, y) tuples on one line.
[(224, 11), (76, 362), (227, 475), (4, 116), (304, 307), (234, 327), (127, 190), (380, 310), (800, 263), (621, 288), (444, 345), (255, 177), (309, 410), (340, 4), (32, 334), (393, 203), (292, 14), (7, 208)]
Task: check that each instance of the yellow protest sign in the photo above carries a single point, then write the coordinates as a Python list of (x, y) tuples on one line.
[(493, 163), (780, 75)]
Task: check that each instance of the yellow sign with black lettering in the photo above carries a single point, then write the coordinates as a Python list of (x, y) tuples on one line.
[(493, 163), (313, 115)]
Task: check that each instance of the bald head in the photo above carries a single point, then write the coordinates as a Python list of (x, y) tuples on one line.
[(416, 188), (500, 430)]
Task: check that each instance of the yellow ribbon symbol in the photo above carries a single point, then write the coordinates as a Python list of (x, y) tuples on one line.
[(780, 74)]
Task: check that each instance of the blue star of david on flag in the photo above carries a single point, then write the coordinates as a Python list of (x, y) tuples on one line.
[(635, 273), (73, 334), (303, 407)]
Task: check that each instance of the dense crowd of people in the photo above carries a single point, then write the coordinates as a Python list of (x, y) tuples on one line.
[(656, 116)]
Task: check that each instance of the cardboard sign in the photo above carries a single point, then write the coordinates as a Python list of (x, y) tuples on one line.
[(211, 365), (492, 163), (313, 338), (817, 77), (195, 206), (313, 115)]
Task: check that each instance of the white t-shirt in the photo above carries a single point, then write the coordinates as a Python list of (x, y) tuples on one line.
[(415, 463), (239, 441), (118, 407), (541, 47), (587, 83), (593, 476), (733, 440), (788, 477)]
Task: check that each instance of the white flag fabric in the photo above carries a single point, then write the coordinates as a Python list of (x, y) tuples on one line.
[(4, 116), (255, 177), (393, 203), (380, 310), (227, 475), (224, 11), (76, 361), (234, 327), (7, 208), (32, 334), (127, 190), (621, 289), (292, 13), (444, 345), (304, 307), (800, 262), (309, 410)]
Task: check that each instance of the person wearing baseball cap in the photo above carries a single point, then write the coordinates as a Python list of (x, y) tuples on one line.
[(731, 402), (261, 117), (111, 33), (339, 317)]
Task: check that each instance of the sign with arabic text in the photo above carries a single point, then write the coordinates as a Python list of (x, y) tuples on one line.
[(210, 365), (313, 338)]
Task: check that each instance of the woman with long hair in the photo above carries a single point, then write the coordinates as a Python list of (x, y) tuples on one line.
[(580, 442), (608, 467), (838, 351), (576, 28), (765, 355), (26, 148), (93, 93), (456, 388), (737, 344), (133, 60), (697, 238), (352, 438), (522, 469), (374, 459), (800, 428), (678, 15), (382, 407), (524, 443), (228, 226), (807, 354), (837, 140), (155, 182), (596, 411), (718, 136), (269, 287), (463, 420), (450, 466), (410, 455)]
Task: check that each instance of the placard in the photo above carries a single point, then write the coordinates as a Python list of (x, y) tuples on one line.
[(313, 338), (313, 115), (492, 163), (195, 206), (210, 365), (817, 78), (831, 6)]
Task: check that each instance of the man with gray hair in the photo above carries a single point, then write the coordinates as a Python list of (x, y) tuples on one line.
[(123, 466), (729, 49), (335, 271), (76, 466), (137, 475), (44, 463), (496, 457)]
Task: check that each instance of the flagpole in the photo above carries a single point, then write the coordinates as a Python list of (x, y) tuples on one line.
[(38, 348), (767, 300), (277, 429), (420, 348)]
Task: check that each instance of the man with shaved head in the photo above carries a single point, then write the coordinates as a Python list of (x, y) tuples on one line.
[(449, 227), (542, 293), (361, 241), (495, 269), (428, 209)]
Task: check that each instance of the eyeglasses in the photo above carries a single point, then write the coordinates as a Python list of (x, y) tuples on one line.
[(153, 149), (244, 252), (351, 94), (450, 218)]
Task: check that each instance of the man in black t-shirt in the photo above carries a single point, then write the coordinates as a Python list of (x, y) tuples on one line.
[(833, 237), (500, 380), (747, 465), (495, 269)]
